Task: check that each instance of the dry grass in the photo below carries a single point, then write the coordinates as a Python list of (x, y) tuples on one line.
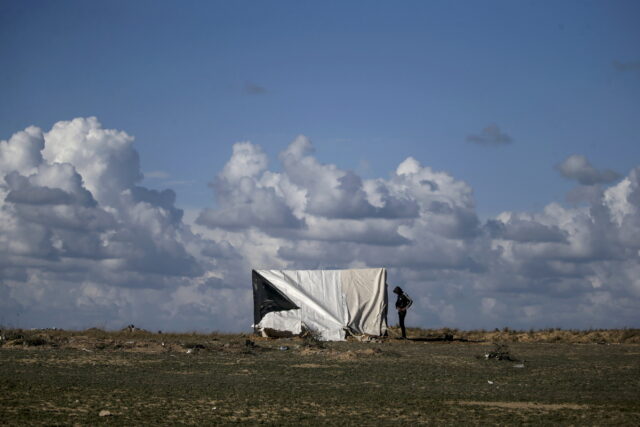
[(149, 342), (137, 340), (551, 335)]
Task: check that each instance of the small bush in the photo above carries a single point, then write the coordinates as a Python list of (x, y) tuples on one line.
[(311, 339), (500, 352)]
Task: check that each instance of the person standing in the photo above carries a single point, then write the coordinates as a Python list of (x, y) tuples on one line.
[(402, 304)]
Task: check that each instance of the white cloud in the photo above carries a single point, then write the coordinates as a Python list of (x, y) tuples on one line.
[(578, 168), (22, 152), (245, 200), (79, 234), (335, 193), (105, 158)]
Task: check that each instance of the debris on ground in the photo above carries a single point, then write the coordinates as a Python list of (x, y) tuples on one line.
[(500, 352), (367, 338), (193, 348), (311, 339)]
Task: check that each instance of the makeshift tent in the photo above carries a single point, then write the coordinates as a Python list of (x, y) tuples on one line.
[(328, 302)]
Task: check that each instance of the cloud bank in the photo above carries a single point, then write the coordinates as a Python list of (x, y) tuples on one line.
[(83, 243)]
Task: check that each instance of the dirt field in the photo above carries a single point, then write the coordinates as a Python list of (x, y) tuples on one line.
[(443, 377)]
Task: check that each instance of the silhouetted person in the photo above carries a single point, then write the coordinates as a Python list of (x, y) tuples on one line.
[(402, 304)]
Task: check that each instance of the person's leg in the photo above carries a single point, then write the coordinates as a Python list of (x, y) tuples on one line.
[(402, 315)]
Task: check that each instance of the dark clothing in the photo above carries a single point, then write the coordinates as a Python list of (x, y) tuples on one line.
[(403, 301), (402, 304), (401, 316)]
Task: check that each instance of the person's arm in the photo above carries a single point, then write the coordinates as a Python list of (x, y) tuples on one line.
[(410, 301)]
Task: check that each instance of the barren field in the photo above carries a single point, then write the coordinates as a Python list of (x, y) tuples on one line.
[(441, 377)]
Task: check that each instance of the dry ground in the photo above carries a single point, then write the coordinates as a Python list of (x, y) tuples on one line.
[(443, 377)]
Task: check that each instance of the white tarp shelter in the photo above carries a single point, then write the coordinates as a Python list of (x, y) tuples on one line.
[(328, 302)]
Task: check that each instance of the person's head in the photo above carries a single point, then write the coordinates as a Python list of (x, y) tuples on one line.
[(397, 290)]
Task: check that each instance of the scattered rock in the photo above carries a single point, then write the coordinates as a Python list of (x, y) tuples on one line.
[(104, 413)]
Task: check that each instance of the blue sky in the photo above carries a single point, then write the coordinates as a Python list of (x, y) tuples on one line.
[(520, 116), (369, 82)]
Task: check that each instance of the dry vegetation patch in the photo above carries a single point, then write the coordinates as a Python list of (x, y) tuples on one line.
[(549, 335), (138, 340)]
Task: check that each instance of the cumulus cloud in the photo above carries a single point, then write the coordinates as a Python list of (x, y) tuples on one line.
[(578, 168), (78, 231), (490, 136), (519, 229), (245, 199), (80, 234), (335, 193)]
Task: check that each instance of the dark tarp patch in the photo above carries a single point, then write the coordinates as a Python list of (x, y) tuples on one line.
[(267, 298)]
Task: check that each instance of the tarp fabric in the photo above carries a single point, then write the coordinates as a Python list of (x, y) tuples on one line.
[(329, 302)]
